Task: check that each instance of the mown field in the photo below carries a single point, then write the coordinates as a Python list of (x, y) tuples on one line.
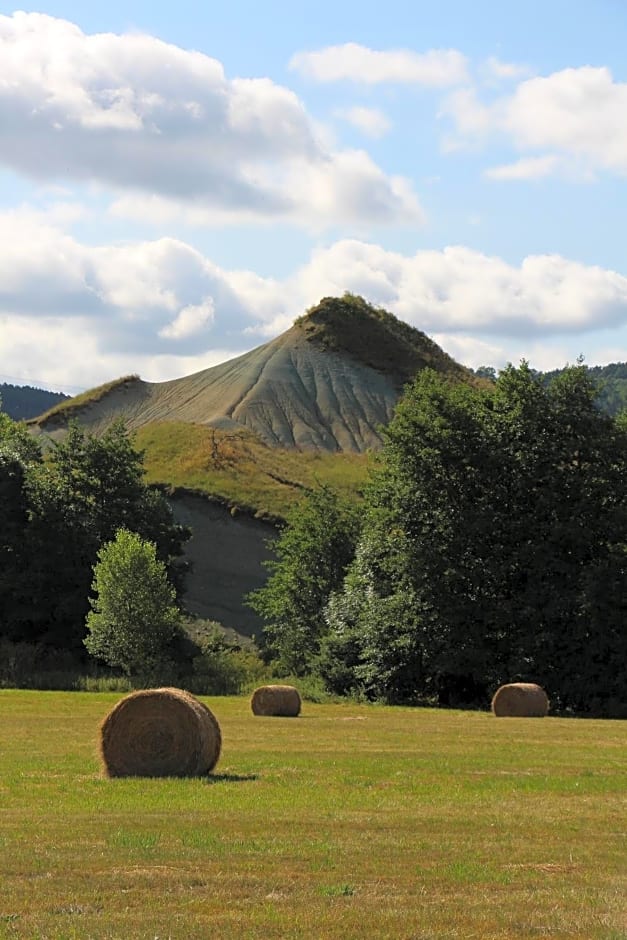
[(350, 821)]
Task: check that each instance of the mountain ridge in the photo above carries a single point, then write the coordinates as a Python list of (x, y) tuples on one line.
[(329, 383)]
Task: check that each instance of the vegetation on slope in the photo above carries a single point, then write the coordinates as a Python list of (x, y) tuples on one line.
[(237, 468), (69, 407), (351, 325)]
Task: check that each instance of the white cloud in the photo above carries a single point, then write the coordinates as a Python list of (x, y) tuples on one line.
[(577, 113), (494, 69), (459, 289), (191, 321), (471, 351), (371, 121), (348, 187), (152, 122), (437, 68), (528, 168), (83, 314)]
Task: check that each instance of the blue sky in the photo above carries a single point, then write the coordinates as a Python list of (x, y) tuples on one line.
[(179, 181)]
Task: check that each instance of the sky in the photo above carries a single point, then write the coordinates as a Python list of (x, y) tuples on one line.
[(179, 181)]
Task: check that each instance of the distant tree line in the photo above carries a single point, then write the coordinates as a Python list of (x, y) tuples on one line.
[(610, 383), (22, 402), (491, 546)]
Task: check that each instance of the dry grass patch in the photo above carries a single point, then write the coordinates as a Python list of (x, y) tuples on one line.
[(237, 468)]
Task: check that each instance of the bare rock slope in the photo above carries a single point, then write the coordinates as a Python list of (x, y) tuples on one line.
[(328, 383)]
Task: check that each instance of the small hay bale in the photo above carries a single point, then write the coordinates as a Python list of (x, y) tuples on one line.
[(282, 701), (520, 700), (159, 733)]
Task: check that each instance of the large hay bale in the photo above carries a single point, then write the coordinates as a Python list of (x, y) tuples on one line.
[(281, 701), (159, 733), (520, 700)]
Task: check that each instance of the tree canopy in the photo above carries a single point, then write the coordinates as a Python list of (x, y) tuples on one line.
[(313, 552), (492, 549), (57, 513), (134, 617)]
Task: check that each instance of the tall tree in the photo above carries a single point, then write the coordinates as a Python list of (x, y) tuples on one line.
[(313, 552), (134, 617), (19, 455), (498, 518), (75, 500)]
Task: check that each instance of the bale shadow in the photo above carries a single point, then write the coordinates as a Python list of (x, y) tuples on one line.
[(229, 778)]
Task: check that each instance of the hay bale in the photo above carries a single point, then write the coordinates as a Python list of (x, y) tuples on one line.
[(520, 700), (281, 701), (159, 733)]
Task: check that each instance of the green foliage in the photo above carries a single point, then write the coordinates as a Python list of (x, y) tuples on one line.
[(16, 442), (312, 552), (373, 645), (372, 335), (610, 383), (493, 550), (224, 668), (134, 617), (19, 455), (56, 515)]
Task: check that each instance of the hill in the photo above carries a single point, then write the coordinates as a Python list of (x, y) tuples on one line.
[(327, 384), (255, 433), (21, 402)]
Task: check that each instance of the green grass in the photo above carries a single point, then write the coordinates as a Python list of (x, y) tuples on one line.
[(348, 822), (240, 470)]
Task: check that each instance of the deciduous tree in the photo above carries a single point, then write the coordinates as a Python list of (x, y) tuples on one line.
[(313, 552), (134, 617)]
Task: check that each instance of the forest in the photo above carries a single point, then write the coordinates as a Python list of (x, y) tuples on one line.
[(489, 545)]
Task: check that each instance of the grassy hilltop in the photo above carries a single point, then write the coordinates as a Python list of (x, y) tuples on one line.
[(258, 431)]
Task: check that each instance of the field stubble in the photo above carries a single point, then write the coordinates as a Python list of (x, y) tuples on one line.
[(349, 821)]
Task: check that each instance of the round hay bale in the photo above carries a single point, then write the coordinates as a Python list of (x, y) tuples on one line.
[(520, 700), (281, 701), (159, 733)]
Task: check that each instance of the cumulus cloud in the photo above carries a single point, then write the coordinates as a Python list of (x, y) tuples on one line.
[(577, 113), (161, 308), (437, 68), (153, 297), (149, 120), (458, 289), (191, 321), (371, 121)]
